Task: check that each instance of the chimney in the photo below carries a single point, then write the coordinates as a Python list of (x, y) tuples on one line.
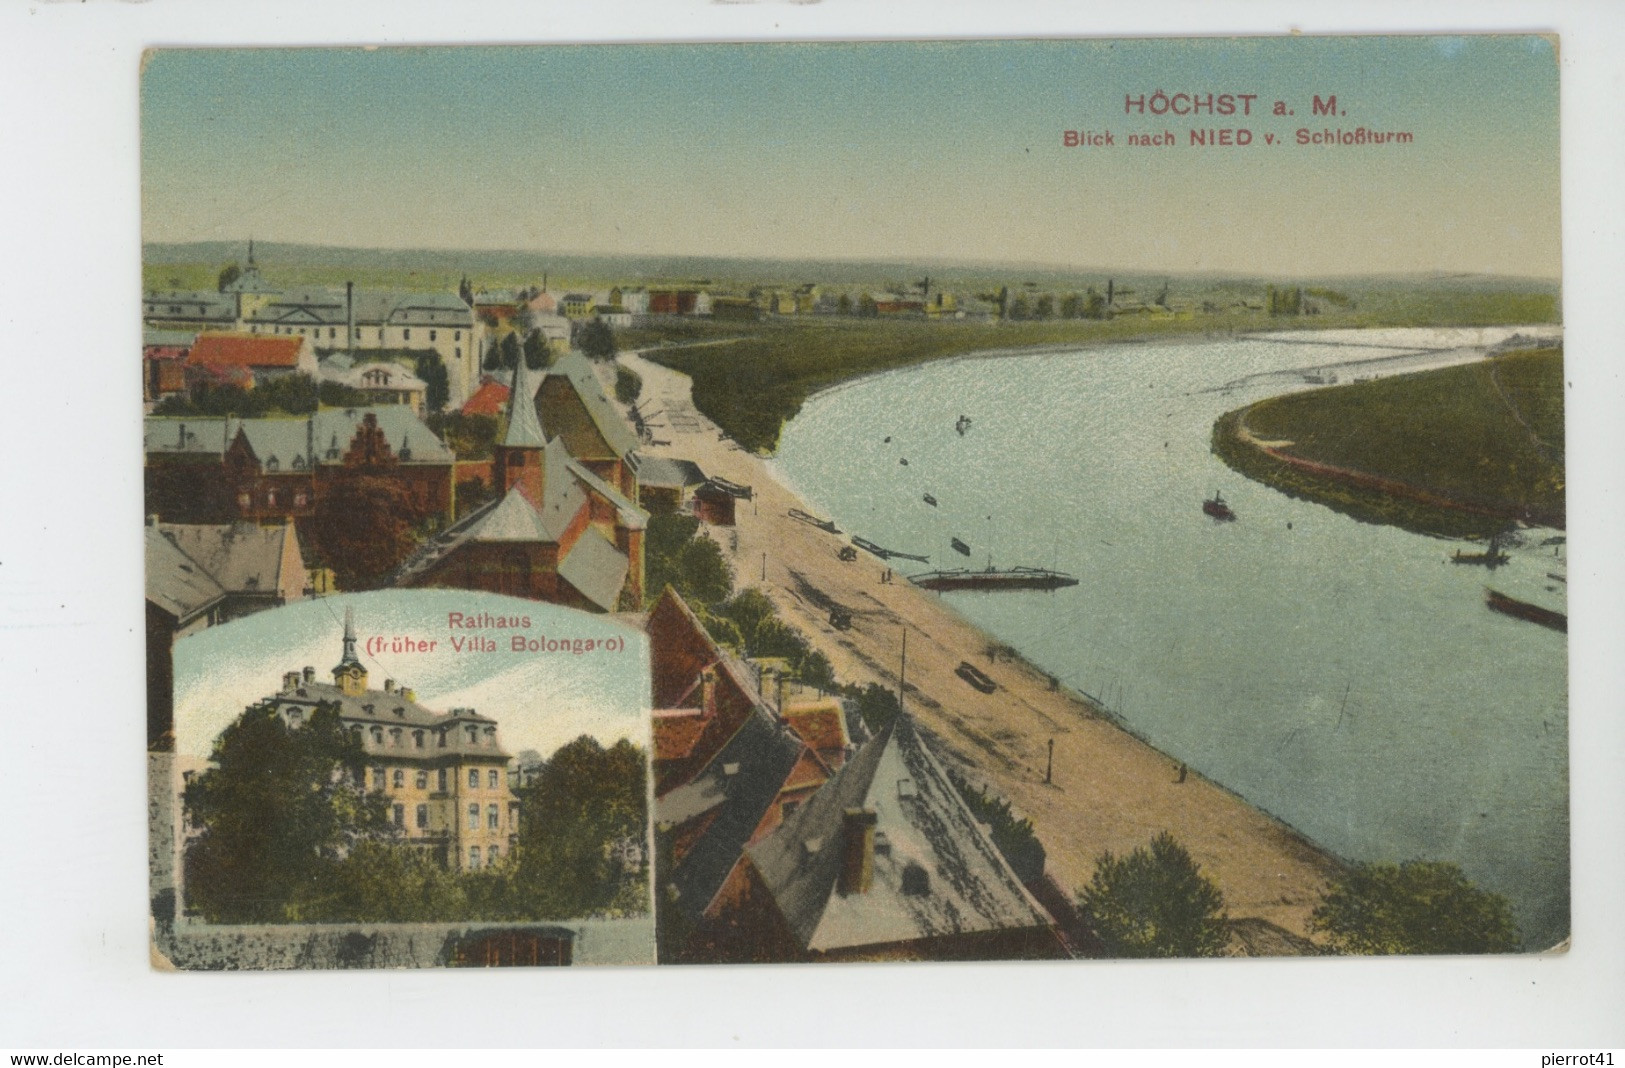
[(290, 681), (349, 316), (389, 685), (708, 692), (857, 850), (310, 673), (409, 694)]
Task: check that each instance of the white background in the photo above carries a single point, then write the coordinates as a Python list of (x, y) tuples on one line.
[(74, 962)]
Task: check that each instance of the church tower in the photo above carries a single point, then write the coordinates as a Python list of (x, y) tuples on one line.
[(519, 456), (350, 677)]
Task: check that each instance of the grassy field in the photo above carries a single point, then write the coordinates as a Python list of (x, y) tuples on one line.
[(1470, 447), (758, 381)]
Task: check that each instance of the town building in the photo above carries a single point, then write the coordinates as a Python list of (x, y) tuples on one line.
[(562, 529), (383, 382), (202, 469), (264, 358), (728, 770), (445, 773), (884, 862), (163, 362), (363, 320), (189, 310), (490, 399)]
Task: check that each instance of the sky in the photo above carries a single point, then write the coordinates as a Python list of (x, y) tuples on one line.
[(946, 152), (540, 701)]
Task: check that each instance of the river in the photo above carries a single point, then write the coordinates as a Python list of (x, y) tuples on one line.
[(1343, 676)]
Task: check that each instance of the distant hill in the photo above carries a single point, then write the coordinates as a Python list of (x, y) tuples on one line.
[(437, 268)]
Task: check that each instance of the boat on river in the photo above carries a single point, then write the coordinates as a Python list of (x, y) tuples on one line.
[(975, 676), (1215, 507), (959, 547), (962, 425), (1491, 558), (992, 578), (1497, 601)]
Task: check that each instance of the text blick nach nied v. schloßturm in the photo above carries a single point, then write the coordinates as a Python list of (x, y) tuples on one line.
[(1196, 106), (474, 639)]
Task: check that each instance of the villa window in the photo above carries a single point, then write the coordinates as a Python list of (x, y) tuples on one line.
[(400, 816), (406, 335), (417, 739), (378, 736), (243, 501), (473, 817), (395, 737), (473, 736), (296, 716), (440, 781), (400, 779), (473, 858), (431, 335), (423, 780), (493, 781), (493, 818), (270, 498), (473, 778), (423, 817), (378, 778), (492, 854)]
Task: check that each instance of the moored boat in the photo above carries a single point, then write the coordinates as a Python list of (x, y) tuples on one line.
[(959, 546), (1534, 613), (974, 675), (1015, 578)]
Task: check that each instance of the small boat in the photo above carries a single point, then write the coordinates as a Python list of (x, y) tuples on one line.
[(733, 489), (962, 425), (903, 460), (1015, 578), (1215, 507), (932, 501), (959, 546), (973, 675), (886, 554), (1534, 613), (1491, 558), (827, 525)]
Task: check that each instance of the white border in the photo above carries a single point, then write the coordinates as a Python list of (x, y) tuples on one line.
[(70, 575)]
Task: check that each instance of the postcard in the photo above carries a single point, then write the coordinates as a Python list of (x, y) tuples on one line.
[(776, 503)]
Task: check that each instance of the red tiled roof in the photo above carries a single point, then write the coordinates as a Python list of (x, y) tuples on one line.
[(490, 399), (808, 771), (820, 725), (246, 350), (675, 736)]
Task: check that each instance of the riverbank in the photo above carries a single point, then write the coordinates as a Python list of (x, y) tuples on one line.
[(1110, 790), (1458, 452)]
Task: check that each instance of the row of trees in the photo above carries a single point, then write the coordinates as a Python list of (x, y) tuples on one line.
[(1155, 902), (290, 835)]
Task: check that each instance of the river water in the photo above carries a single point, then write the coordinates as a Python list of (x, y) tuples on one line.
[(1345, 677)]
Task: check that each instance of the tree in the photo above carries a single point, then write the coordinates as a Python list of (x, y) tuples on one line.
[(876, 704), (432, 369), (597, 340), (535, 350), (362, 529), (1045, 307), (228, 274), (585, 801), (279, 807), (1415, 907), (1019, 309), (1155, 903), (339, 395), (1071, 306), (511, 351)]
